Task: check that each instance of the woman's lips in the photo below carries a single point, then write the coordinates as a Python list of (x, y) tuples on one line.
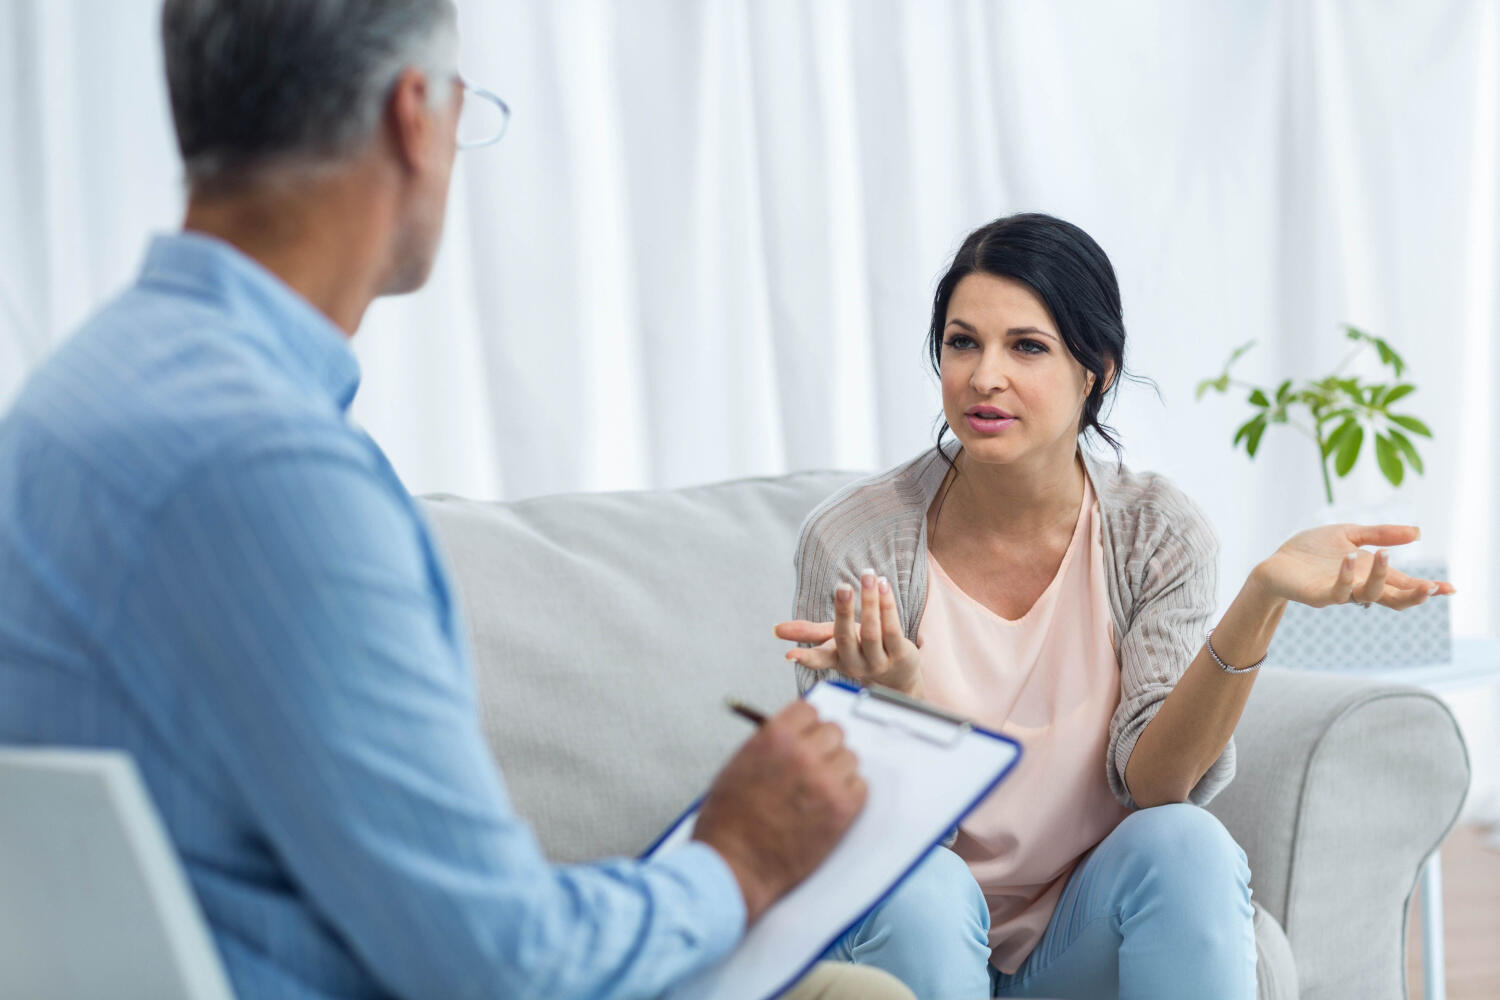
[(988, 425)]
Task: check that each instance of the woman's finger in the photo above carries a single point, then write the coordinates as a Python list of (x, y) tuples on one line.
[(827, 646), (890, 622), (1343, 586), (1374, 586), (822, 657), (845, 632), (804, 631), (1383, 534), (1401, 598), (869, 623), (1406, 581)]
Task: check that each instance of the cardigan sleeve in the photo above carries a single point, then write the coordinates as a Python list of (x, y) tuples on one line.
[(1174, 576), (815, 579)]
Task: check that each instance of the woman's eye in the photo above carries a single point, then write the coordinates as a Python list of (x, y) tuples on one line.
[(1031, 347), (960, 341)]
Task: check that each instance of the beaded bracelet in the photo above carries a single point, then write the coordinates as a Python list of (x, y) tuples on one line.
[(1226, 667)]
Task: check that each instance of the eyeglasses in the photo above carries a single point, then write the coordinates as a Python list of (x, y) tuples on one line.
[(483, 119)]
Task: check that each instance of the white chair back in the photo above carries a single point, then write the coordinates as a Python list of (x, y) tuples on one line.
[(93, 903)]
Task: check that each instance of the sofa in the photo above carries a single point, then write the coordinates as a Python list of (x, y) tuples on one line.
[(607, 630)]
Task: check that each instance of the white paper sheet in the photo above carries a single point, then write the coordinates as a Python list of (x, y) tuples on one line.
[(924, 775)]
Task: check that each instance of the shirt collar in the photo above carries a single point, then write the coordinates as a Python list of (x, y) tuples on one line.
[(297, 337)]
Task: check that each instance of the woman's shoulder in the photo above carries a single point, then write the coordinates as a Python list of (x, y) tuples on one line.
[(1146, 509), (873, 504)]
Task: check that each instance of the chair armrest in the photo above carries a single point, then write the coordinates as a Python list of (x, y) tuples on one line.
[(1344, 787)]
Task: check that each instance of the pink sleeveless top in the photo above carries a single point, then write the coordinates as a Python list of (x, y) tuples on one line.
[(1051, 680)]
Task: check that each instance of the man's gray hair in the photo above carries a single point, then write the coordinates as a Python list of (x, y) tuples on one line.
[(259, 83)]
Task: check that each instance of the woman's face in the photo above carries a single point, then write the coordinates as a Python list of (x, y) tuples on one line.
[(1011, 388)]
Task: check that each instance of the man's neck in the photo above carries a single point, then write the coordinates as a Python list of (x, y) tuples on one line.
[(324, 237)]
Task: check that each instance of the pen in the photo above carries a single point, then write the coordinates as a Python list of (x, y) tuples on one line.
[(745, 711)]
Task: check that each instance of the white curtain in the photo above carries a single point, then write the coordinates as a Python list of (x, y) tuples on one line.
[(707, 246)]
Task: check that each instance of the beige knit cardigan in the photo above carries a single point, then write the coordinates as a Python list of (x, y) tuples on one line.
[(1160, 562)]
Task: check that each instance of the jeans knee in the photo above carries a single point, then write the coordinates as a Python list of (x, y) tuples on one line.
[(940, 889), (1184, 843), (931, 932)]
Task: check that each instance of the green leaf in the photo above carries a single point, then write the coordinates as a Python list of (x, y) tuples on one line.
[(1252, 441), (1348, 450), (1243, 430), (1397, 392), (1410, 423), (1314, 400), (1354, 334), (1390, 461), (1204, 386), (1339, 433), (1407, 448), (1238, 352), (1389, 356), (1283, 390), (1258, 398)]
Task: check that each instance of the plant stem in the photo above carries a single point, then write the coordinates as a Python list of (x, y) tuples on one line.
[(1292, 423), (1323, 464)]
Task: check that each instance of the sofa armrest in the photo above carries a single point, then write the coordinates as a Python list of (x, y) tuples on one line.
[(1344, 787)]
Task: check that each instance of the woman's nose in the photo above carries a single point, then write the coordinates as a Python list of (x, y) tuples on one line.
[(990, 375)]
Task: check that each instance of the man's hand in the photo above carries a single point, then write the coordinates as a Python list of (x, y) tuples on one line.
[(781, 804)]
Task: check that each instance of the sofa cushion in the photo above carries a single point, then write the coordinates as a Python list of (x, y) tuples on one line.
[(607, 630)]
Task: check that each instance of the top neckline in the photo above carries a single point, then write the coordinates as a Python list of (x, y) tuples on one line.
[(1084, 512)]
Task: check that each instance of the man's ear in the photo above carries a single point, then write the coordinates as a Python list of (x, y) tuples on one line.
[(409, 119)]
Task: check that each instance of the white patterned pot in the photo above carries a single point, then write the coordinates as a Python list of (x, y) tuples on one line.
[(1349, 637)]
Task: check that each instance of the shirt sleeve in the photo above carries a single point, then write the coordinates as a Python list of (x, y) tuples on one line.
[(294, 602), (1176, 575)]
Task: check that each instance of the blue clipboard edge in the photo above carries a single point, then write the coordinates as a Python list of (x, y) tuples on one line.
[(854, 688)]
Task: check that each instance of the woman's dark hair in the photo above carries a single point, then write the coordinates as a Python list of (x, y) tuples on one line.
[(1072, 276)]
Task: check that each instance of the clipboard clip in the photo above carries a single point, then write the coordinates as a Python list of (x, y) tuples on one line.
[(891, 708)]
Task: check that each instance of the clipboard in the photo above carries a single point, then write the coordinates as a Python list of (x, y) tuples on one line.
[(926, 770)]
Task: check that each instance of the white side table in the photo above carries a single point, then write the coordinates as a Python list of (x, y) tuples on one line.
[(1476, 664)]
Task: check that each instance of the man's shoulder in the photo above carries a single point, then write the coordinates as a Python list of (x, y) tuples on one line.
[(140, 396)]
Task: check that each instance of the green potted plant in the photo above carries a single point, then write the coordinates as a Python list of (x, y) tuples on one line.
[(1339, 413)]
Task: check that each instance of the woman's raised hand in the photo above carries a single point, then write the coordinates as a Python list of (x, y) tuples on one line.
[(872, 650), (1323, 566)]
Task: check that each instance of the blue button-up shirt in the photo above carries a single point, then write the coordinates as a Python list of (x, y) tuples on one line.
[(203, 564)]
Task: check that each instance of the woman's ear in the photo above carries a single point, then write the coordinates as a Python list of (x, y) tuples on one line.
[(1109, 377)]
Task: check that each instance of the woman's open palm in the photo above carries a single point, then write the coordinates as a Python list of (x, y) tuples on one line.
[(871, 650), (1323, 566)]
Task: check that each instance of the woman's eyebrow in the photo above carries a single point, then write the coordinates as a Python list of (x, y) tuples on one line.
[(1015, 331)]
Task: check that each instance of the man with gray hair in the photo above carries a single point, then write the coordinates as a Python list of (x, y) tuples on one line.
[(203, 564)]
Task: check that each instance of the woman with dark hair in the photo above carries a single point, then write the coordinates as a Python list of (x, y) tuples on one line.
[(1016, 578)]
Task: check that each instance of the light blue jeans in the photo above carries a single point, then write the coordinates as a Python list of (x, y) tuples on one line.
[(1160, 910)]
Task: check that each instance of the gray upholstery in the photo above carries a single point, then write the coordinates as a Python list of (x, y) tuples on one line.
[(607, 629), (1345, 787)]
